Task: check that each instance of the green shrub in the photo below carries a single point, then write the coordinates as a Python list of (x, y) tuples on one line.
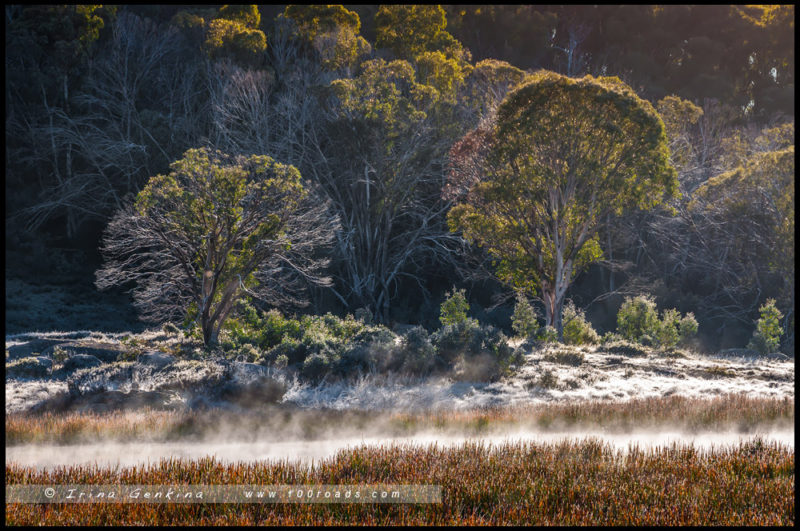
[(454, 308), (524, 320), (638, 321), (638, 317), (281, 362), (294, 351), (687, 327), (275, 328), (577, 330), (668, 328), (547, 334), (767, 335)]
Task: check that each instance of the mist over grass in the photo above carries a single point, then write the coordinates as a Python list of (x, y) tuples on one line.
[(522, 483)]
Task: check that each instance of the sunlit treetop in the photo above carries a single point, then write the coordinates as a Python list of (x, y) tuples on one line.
[(234, 33), (332, 30), (411, 30)]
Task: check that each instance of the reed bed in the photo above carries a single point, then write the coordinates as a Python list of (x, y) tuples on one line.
[(726, 412), (574, 482)]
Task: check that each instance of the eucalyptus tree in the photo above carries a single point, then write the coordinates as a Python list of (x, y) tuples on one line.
[(213, 230), (560, 158)]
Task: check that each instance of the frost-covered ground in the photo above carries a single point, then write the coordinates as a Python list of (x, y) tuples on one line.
[(600, 376), (550, 374)]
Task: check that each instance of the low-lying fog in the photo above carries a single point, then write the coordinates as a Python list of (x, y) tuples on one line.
[(137, 453)]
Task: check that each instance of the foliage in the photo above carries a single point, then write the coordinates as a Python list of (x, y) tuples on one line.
[(247, 15), (749, 211), (198, 239), (454, 308), (638, 317), (332, 30), (524, 322), (600, 149), (477, 351), (638, 320), (767, 335), (547, 334), (233, 39), (418, 354), (577, 330), (411, 30)]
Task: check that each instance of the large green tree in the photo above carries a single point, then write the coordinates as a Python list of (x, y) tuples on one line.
[(211, 231), (561, 157)]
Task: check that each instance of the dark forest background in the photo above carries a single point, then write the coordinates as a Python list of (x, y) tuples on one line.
[(100, 98)]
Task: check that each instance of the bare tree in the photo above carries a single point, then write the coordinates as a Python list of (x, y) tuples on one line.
[(109, 136)]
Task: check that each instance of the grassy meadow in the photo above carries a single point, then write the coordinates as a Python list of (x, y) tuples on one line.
[(581, 481)]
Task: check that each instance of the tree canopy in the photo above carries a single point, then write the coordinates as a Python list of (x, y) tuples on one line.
[(536, 185), (211, 231)]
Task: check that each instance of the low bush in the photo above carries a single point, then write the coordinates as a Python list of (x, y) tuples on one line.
[(766, 337), (577, 330), (547, 334), (469, 344), (417, 353), (638, 317), (454, 308), (638, 320), (625, 348), (565, 357), (31, 367), (524, 321)]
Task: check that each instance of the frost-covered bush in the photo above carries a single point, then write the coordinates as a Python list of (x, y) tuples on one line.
[(454, 339), (477, 352), (248, 353), (281, 362), (454, 308), (416, 353), (767, 335), (170, 329), (577, 330), (318, 365), (364, 315), (610, 337), (30, 367), (547, 334), (524, 320)]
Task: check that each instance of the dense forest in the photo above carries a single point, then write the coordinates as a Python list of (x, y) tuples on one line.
[(383, 116)]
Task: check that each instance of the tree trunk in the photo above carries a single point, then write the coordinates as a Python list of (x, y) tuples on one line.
[(209, 334), (553, 304)]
